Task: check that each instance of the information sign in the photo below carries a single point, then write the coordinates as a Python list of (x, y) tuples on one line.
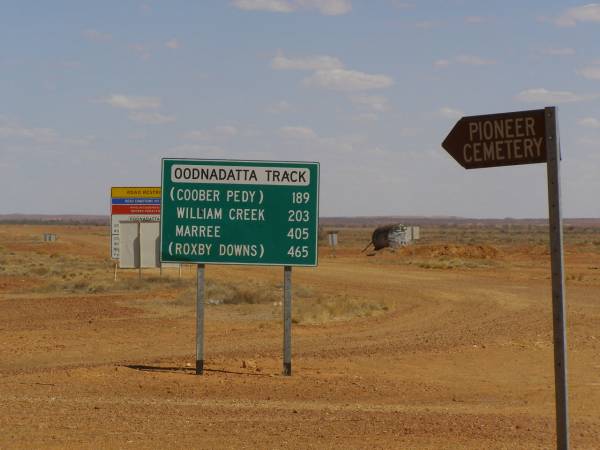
[(493, 140), (132, 204), (239, 212)]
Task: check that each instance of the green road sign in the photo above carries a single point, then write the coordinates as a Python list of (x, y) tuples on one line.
[(239, 212)]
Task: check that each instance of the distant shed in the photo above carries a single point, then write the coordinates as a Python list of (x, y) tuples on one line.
[(332, 238), (416, 233)]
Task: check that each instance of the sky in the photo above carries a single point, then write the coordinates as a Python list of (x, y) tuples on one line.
[(94, 94)]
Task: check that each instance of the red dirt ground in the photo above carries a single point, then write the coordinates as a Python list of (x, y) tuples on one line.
[(462, 361)]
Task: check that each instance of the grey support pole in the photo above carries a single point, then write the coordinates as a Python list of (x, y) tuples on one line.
[(200, 320), (139, 250), (287, 320), (558, 277)]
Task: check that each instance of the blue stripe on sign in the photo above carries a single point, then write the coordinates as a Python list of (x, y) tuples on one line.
[(136, 201)]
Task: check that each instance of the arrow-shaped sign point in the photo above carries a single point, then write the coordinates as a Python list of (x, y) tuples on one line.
[(452, 142)]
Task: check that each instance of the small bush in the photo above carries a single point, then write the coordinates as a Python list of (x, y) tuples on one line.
[(41, 271)]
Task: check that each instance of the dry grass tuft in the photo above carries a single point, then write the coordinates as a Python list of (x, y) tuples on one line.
[(334, 308), (453, 263), (231, 293)]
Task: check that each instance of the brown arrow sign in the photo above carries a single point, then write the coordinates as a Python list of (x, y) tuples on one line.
[(493, 140)]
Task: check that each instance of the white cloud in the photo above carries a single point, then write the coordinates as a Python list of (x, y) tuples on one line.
[(591, 143), (329, 73), (218, 132), (409, 131), (590, 122), (348, 80), (139, 108), (450, 113), (16, 130), (97, 36), (325, 7), (469, 60), (366, 117), (280, 6), (584, 13), (196, 151), (172, 44), (591, 73), (377, 103), (558, 51), (281, 62), (198, 135), (150, 118), (541, 95), (474, 60), (226, 130), (10, 129), (130, 102), (279, 107), (297, 133)]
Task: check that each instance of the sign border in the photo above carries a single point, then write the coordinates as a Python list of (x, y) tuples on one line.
[(228, 160)]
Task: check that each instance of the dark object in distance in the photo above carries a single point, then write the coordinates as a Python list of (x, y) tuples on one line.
[(385, 236)]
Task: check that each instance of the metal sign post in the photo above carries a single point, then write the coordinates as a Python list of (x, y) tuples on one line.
[(200, 320), (139, 251), (558, 285), (526, 137), (287, 320)]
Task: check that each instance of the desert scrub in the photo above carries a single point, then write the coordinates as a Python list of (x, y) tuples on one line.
[(575, 277), (333, 308), (454, 263), (98, 281), (231, 293)]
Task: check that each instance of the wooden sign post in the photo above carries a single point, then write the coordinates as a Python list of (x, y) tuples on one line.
[(526, 137)]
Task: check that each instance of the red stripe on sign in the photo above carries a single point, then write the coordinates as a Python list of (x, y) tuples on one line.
[(136, 209)]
